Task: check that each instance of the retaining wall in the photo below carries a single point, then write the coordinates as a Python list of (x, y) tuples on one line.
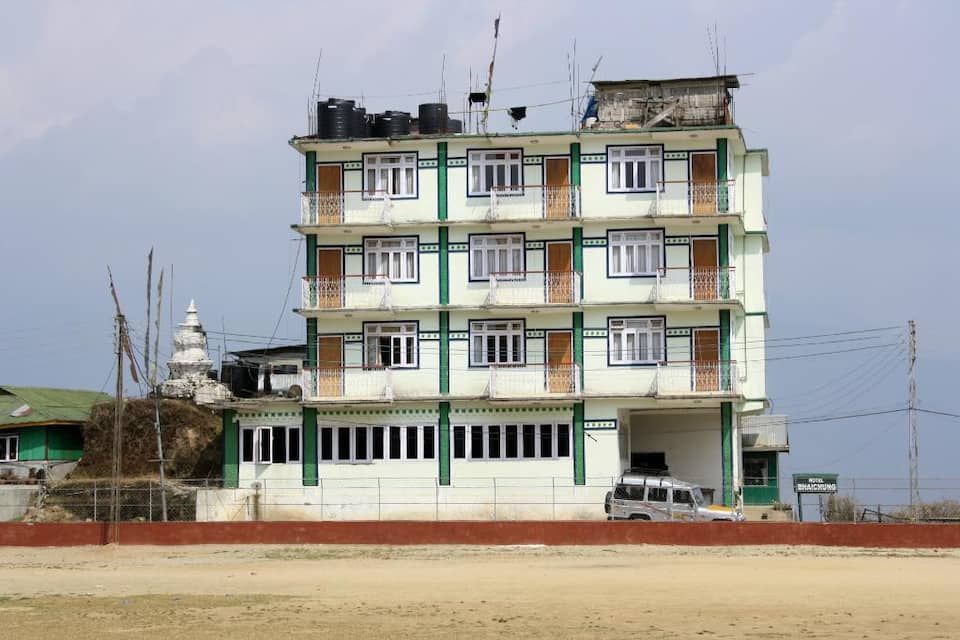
[(486, 533)]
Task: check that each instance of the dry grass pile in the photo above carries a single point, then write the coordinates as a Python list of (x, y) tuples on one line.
[(191, 440)]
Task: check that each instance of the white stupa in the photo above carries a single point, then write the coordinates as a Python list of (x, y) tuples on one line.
[(190, 363)]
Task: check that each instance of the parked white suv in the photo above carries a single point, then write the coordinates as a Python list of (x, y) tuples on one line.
[(647, 497)]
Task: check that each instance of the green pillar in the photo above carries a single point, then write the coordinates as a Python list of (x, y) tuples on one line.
[(443, 235), (311, 171), (723, 251), (444, 352), (578, 255), (311, 343), (726, 450), (575, 164), (725, 373), (443, 424), (578, 343), (441, 181), (579, 455), (231, 453), (723, 201), (309, 453)]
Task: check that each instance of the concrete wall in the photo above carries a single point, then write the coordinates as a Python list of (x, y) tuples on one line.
[(15, 500)]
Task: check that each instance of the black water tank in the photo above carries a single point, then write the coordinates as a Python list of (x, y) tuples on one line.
[(454, 126), (391, 124), (433, 118), (323, 131), (339, 118), (358, 126)]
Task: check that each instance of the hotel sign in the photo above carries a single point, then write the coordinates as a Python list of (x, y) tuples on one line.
[(815, 483)]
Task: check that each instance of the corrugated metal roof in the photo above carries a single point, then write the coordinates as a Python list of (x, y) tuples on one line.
[(45, 405), (729, 81)]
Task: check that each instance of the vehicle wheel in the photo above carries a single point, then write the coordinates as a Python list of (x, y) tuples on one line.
[(639, 516)]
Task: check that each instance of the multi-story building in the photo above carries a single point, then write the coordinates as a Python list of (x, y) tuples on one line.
[(545, 306)]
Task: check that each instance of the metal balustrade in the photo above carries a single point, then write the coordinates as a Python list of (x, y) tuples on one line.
[(764, 433), (690, 198), (519, 382), (345, 292), (682, 284), (522, 288), (697, 377), (320, 208), (534, 202), (338, 384)]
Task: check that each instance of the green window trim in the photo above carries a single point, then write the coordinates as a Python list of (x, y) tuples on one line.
[(443, 454), (579, 453), (726, 451), (311, 475)]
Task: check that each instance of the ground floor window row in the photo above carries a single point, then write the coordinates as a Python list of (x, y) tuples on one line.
[(9, 448), (368, 443)]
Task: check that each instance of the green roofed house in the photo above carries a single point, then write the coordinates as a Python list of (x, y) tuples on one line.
[(41, 429)]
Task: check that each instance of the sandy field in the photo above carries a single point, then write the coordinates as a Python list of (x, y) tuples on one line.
[(274, 592)]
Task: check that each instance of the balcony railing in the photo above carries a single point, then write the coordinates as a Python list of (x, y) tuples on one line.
[(689, 198), (522, 288), (764, 433), (345, 292), (534, 381), (534, 202), (319, 208), (684, 284), (338, 384), (698, 377)]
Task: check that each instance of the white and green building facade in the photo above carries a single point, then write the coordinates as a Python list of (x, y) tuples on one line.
[(529, 310)]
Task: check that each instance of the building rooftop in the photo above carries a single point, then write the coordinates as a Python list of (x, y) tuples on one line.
[(33, 406)]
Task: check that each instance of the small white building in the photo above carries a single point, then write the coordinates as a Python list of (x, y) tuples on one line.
[(501, 324)]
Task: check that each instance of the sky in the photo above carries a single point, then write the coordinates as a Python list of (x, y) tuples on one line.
[(126, 126)]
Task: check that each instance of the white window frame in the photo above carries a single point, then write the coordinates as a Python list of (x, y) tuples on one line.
[(263, 431), (635, 252), (628, 337), (479, 456), (393, 174), (409, 359), (487, 169), (641, 162), (8, 439), (369, 429), (400, 255), (490, 253), (482, 329)]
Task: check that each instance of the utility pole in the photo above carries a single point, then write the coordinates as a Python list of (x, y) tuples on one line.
[(117, 433), (156, 401), (914, 448)]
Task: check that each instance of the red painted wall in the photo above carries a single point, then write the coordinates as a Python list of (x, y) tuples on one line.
[(486, 533)]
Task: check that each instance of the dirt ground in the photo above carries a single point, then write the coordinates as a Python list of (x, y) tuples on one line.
[(478, 592)]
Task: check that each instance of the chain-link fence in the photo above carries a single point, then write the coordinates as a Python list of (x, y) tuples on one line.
[(862, 499)]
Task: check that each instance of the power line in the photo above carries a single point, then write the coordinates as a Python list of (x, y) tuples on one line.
[(939, 413)]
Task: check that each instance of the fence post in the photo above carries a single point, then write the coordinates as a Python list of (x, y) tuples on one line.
[(94, 500), (853, 497), (320, 480), (494, 498), (436, 499), (378, 497), (149, 500)]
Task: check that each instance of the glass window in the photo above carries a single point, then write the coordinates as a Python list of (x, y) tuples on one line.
[(269, 445), (498, 170), (264, 449), (633, 168), (246, 446), (493, 441), (563, 441), (326, 443), (682, 497), (390, 174), (390, 344), (429, 443), (412, 442), (395, 448), (360, 443), (343, 444), (529, 441), (656, 494), (496, 342), (636, 340), (378, 443), (546, 441), (459, 442), (476, 442), (511, 448), (390, 258), (633, 253), (500, 254)]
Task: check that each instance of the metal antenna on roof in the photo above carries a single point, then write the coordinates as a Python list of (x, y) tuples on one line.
[(493, 60), (442, 95)]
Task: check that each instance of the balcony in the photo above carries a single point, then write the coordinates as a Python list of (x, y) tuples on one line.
[(347, 384), (698, 284), (533, 288), (534, 202), (707, 378), (355, 292), (337, 208), (534, 382), (692, 199), (764, 433)]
